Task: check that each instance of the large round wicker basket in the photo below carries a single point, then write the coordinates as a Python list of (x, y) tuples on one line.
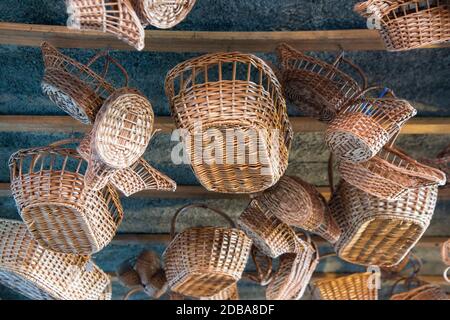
[(163, 14)]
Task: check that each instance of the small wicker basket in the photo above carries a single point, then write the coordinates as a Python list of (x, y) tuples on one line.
[(201, 262), (409, 24), (299, 204), (75, 87), (316, 88), (42, 274), (425, 292), (111, 16), (59, 210), (231, 95), (353, 287), (163, 14), (363, 127)]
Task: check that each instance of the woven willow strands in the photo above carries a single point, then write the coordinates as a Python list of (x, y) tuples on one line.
[(263, 265), (441, 162), (425, 292), (75, 87), (353, 287), (362, 128), (202, 261), (59, 210), (390, 174), (406, 25), (299, 204), (42, 274), (111, 16), (236, 100), (316, 88), (229, 294), (377, 231), (445, 252), (163, 14)]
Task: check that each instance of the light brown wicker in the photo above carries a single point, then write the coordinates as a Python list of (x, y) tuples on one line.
[(353, 287), (425, 292), (111, 16), (203, 261), (299, 204), (377, 231), (445, 252), (236, 100), (269, 234), (406, 25), (163, 14), (441, 162), (60, 211), (316, 88), (229, 294), (390, 174), (363, 127), (263, 265), (42, 274), (75, 87)]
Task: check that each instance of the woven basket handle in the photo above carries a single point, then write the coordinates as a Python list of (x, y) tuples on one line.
[(133, 291), (385, 92), (109, 59), (413, 277), (64, 142), (197, 205), (262, 277), (359, 71)]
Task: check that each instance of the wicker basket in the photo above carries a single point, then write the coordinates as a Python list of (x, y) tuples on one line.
[(406, 25), (59, 210), (362, 128), (42, 274), (203, 261), (390, 174), (299, 204), (231, 95), (229, 294), (163, 14), (316, 88), (445, 252), (377, 231), (264, 268), (425, 292), (111, 16), (441, 162), (353, 287), (269, 234), (75, 87)]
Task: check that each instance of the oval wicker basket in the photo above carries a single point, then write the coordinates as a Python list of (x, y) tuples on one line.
[(409, 24), (236, 100), (425, 292), (390, 174), (60, 212), (42, 274), (111, 16), (445, 252), (75, 87), (162, 14), (316, 88), (353, 287), (299, 204), (377, 231), (362, 128), (203, 261)]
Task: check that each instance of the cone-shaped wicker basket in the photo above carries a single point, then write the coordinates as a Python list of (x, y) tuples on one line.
[(237, 132), (409, 24), (42, 274), (354, 287), (425, 292), (201, 262), (59, 210), (316, 88)]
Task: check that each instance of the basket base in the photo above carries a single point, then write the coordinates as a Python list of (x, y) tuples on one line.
[(203, 285)]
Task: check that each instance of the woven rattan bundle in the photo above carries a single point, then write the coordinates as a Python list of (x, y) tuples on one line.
[(390, 174), (425, 292), (380, 232), (318, 89), (409, 24), (60, 211), (363, 127), (42, 274), (235, 100), (202, 261), (75, 87), (163, 14), (357, 286), (111, 16), (299, 204)]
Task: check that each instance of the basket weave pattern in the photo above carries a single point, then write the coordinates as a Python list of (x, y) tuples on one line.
[(426, 292), (353, 287), (163, 14)]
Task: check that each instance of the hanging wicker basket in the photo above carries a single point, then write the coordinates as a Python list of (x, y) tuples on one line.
[(354, 287), (299, 204), (163, 14), (116, 17), (409, 24), (380, 232), (42, 274), (203, 261), (425, 292), (441, 162), (60, 211), (363, 127), (390, 174), (236, 100), (75, 87), (316, 88), (445, 252)]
